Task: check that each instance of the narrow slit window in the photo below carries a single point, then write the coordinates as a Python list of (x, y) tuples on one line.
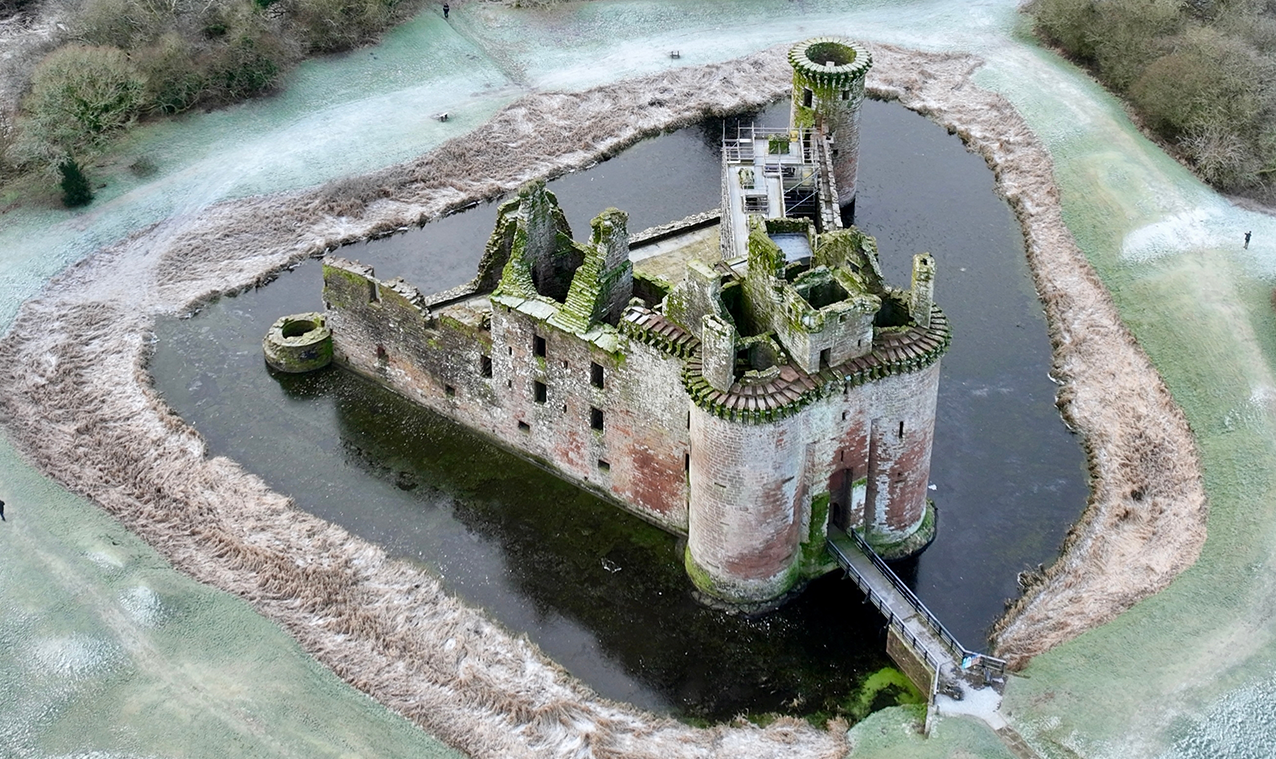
[(808, 97), (485, 366), (538, 346), (901, 429), (596, 418), (595, 374), (540, 391), (686, 462)]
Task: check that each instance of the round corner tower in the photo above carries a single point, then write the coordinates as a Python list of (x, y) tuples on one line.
[(828, 89)]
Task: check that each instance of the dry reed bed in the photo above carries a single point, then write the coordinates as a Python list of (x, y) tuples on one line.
[(1145, 519), (78, 401)]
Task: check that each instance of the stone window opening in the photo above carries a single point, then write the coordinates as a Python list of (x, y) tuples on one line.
[(449, 391), (524, 427), (485, 366), (510, 349), (603, 466), (382, 356), (596, 375), (844, 415), (596, 419), (686, 462), (808, 97), (826, 356), (509, 384), (846, 94), (901, 429), (540, 391), (538, 346)]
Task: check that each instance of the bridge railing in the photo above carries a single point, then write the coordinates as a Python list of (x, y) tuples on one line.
[(989, 666)]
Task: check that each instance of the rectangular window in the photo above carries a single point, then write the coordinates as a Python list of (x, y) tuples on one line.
[(686, 462), (449, 391), (540, 391), (538, 346), (846, 94), (596, 419), (808, 97), (603, 466), (485, 366), (524, 427), (826, 356), (595, 374), (901, 429)]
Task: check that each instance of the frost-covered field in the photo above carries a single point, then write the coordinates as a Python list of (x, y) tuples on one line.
[(110, 651)]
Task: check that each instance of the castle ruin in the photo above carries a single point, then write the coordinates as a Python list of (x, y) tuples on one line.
[(769, 395)]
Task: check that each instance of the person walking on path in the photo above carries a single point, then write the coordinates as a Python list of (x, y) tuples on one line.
[(1247, 234), (446, 8)]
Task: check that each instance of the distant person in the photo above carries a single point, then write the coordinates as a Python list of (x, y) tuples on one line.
[(2, 519), (1247, 234), (446, 8)]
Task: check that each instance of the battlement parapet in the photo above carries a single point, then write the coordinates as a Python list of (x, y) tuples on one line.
[(830, 62), (895, 351)]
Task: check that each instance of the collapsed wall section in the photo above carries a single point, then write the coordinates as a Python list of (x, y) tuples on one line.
[(600, 410)]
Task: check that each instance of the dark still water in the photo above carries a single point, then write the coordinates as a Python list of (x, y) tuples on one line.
[(601, 592)]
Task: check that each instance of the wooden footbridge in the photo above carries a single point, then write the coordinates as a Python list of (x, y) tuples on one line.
[(930, 655)]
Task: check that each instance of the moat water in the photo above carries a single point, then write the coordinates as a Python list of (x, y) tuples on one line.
[(601, 592)]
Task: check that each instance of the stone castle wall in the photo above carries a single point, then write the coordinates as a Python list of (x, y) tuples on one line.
[(440, 360)]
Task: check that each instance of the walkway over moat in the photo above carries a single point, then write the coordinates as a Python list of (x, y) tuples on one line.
[(945, 659)]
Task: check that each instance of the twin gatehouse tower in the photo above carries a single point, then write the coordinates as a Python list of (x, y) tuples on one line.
[(778, 389)]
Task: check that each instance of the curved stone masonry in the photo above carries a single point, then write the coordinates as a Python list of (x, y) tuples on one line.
[(840, 74), (894, 352), (298, 343)]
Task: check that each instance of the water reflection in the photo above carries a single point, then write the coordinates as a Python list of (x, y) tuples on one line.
[(601, 592)]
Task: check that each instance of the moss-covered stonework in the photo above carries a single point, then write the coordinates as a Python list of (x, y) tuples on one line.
[(298, 343), (828, 90), (730, 407)]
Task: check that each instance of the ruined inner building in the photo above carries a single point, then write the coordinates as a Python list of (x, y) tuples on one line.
[(779, 392)]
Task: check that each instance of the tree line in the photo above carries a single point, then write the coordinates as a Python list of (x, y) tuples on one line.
[(119, 61), (1199, 73)]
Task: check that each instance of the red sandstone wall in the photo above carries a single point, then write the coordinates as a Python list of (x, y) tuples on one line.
[(437, 363), (899, 465), (748, 503)]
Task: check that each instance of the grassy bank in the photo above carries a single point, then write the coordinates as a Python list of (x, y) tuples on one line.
[(1200, 74)]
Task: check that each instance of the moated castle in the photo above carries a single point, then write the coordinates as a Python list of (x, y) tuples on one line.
[(769, 394)]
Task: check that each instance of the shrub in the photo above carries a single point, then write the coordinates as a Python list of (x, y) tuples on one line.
[(332, 25), (175, 79), (75, 186), (79, 96), (1201, 73)]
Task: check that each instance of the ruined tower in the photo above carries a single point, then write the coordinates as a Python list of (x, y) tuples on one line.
[(828, 90), (779, 393)]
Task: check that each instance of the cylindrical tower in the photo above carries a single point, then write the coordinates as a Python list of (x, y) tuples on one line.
[(745, 515), (828, 88)]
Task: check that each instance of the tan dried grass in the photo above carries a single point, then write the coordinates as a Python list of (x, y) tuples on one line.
[(78, 402)]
